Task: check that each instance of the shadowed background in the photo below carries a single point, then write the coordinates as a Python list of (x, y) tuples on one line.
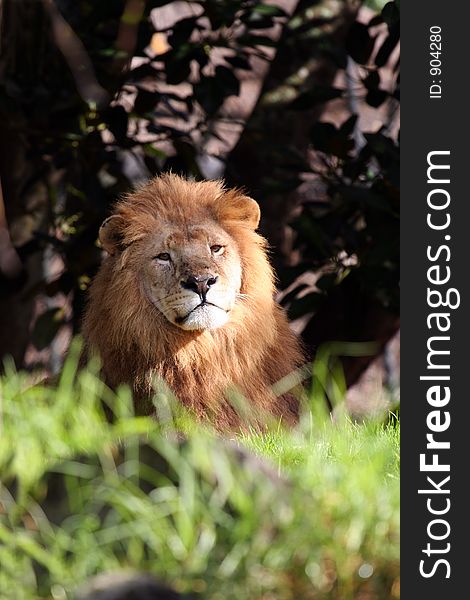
[(296, 101)]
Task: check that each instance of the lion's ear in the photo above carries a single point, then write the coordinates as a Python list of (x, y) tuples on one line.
[(241, 208), (110, 234)]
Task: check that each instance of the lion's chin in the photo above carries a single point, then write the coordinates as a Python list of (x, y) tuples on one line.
[(204, 317)]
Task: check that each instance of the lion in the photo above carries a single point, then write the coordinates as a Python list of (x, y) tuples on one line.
[(186, 295)]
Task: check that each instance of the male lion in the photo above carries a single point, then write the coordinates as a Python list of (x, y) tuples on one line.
[(186, 294)]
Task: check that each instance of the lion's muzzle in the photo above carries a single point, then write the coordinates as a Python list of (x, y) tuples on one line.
[(199, 284)]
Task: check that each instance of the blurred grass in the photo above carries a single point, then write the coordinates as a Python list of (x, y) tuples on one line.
[(309, 513)]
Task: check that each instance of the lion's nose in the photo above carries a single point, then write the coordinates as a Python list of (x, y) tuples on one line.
[(199, 284)]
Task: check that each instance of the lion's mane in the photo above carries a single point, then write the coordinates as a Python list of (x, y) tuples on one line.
[(136, 344)]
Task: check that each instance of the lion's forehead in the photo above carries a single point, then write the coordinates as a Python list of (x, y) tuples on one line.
[(193, 235), (179, 238)]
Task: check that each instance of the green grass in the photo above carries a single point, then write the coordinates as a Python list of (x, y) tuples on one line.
[(310, 513)]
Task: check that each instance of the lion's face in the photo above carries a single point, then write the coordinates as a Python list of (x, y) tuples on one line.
[(192, 277), (175, 241)]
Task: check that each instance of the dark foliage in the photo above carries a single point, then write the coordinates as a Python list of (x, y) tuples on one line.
[(78, 120)]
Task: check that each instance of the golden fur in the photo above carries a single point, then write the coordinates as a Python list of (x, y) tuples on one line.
[(165, 232)]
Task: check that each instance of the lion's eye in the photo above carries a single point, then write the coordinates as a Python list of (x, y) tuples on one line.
[(217, 249), (163, 256)]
